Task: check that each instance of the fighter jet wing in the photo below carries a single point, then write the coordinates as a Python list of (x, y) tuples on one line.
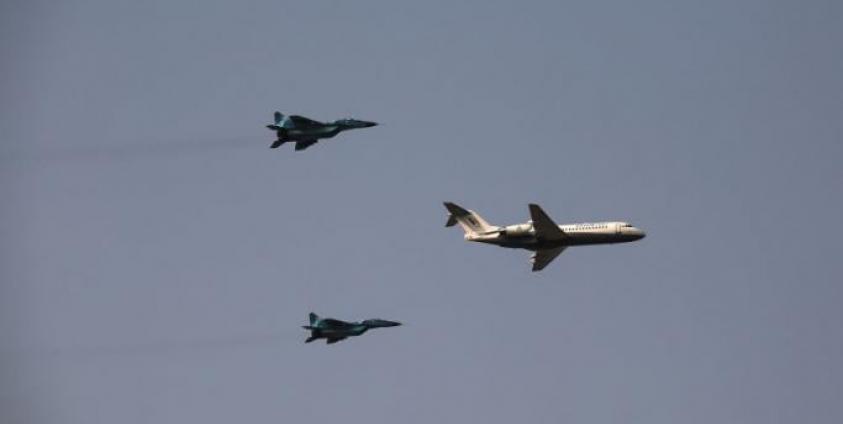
[(545, 228), (301, 145), (334, 340), (302, 122), (544, 257)]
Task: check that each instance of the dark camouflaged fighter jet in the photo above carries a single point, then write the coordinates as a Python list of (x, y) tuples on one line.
[(306, 132), (334, 330)]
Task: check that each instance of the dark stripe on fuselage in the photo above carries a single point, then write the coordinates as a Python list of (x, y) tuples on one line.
[(311, 134), (571, 240)]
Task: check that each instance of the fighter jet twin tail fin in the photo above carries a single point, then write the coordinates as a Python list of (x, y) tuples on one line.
[(282, 121), (314, 332)]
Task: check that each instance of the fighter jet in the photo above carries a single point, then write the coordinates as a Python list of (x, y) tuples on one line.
[(334, 330), (306, 132), (541, 235)]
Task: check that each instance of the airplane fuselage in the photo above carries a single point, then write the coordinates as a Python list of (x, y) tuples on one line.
[(351, 330), (304, 134), (523, 236)]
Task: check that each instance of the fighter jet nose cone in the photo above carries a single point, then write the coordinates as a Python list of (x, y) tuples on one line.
[(377, 323), (371, 124)]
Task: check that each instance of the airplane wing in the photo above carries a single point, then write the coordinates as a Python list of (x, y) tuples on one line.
[(334, 340), (302, 122), (544, 257), (301, 145), (545, 228)]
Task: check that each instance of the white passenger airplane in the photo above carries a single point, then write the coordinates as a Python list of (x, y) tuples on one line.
[(540, 234)]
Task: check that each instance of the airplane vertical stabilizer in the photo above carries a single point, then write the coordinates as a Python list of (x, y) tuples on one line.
[(470, 221), (281, 122)]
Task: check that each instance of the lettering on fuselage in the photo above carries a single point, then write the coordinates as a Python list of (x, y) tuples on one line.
[(588, 226)]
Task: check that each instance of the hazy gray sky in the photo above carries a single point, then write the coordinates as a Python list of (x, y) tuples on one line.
[(157, 259)]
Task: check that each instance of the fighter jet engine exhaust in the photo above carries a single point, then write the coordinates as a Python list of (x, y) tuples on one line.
[(131, 150)]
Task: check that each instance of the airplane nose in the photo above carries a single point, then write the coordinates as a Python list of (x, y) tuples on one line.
[(376, 323), (633, 233), (368, 124)]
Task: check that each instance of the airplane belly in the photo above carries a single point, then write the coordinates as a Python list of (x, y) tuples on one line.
[(592, 238), (333, 333), (300, 135), (311, 134), (517, 242)]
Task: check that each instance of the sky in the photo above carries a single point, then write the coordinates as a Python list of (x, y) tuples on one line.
[(157, 260)]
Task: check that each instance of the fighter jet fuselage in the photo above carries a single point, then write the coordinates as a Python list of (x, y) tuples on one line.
[(540, 235), (326, 131)]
